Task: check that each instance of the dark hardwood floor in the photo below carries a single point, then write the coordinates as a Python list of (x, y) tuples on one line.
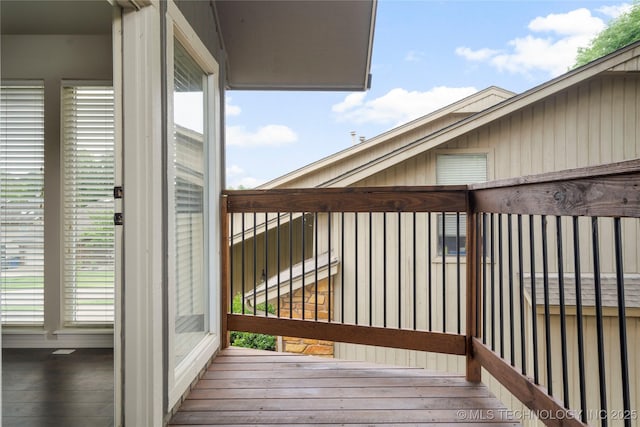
[(40, 388)]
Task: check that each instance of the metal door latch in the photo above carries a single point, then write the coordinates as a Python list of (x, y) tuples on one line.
[(118, 192), (118, 219)]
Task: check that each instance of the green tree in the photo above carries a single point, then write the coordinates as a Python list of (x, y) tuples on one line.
[(621, 31)]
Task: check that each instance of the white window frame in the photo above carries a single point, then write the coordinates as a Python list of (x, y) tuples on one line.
[(182, 375)]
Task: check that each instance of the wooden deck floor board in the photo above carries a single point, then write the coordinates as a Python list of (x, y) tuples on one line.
[(321, 373), (331, 382), (333, 417), (244, 387), (322, 364), (333, 403), (456, 424), (347, 393)]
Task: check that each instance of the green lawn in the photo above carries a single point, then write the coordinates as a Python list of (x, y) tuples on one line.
[(84, 279)]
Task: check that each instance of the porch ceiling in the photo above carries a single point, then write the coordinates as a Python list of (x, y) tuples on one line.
[(55, 17), (297, 45)]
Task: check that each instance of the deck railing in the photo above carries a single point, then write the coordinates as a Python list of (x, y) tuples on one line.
[(533, 279), (343, 258)]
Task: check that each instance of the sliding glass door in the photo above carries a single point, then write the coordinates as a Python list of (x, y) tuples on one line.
[(193, 191), (189, 168)]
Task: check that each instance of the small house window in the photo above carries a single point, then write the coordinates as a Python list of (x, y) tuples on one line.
[(457, 169)]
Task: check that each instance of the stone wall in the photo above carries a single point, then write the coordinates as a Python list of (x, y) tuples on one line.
[(293, 307)]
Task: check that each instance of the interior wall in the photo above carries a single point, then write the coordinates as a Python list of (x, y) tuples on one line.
[(53, 59)]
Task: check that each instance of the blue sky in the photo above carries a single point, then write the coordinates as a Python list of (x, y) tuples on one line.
[(426, 54)]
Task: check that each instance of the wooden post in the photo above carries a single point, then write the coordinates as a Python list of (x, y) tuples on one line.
[(225, 247), (474, 369)]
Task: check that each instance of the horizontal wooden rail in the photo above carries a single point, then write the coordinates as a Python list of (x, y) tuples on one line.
[(353, 199), (628, 167), (611, 190), (550, 411), (384, 337)]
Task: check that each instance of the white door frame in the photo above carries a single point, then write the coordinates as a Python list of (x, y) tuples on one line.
[(181, 377), (119, 259), (141, 337)]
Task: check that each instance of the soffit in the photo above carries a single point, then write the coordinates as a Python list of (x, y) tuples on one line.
[(297, 45)]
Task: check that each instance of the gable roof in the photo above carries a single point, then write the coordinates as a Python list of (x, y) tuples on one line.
[(358, 154), (626, 59), (623, 60)]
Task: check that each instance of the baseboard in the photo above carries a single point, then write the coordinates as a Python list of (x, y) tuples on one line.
[(58, 339)]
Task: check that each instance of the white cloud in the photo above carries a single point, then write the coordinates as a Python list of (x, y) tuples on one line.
[(250, 182), (414, 56), (551, 47), (576, 22), (476, 55), (230, 109), (615, 10), (246, 182), (350, 101), (234, 170), (270, 135), (237, 178), (536, 54), (399, 105)]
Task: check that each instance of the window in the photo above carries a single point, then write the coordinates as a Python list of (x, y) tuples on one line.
[(89, 239), (22, 203), (188, 170), (457, 169)]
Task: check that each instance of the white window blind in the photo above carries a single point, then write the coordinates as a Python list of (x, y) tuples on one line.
[(22, 203), (457, 169), (189, 169), (89, 251)]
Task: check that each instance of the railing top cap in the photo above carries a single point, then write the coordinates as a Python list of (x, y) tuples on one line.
[(589, 172)]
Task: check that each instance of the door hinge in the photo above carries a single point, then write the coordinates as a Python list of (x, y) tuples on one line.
[(118, 219)]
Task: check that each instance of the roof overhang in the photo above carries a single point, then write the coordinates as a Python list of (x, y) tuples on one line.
[(297, 45)]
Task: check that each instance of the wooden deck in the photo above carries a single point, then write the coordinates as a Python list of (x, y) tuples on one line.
[(250, 387)]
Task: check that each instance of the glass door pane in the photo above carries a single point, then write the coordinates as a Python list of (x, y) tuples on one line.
[(189, 171)]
